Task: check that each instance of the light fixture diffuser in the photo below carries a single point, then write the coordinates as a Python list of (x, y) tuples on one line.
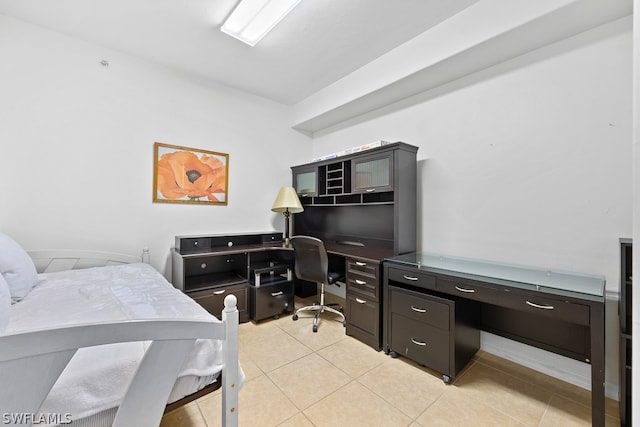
[(251, 20)]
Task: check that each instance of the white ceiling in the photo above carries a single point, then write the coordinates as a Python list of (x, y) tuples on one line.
[(318, 43)]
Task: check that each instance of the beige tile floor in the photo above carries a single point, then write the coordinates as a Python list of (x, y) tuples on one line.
[(295, 377)]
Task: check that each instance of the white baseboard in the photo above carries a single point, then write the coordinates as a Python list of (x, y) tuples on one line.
[(563, 368)]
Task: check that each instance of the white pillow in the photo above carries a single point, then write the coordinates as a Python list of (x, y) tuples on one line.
[(17, 267), (5, 304)]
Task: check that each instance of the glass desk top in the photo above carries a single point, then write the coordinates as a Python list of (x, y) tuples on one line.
[(522, 276)]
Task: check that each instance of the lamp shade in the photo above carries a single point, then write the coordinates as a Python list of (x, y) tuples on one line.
[(287, 200)]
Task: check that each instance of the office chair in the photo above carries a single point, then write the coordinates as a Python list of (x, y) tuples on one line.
[(312, 264)]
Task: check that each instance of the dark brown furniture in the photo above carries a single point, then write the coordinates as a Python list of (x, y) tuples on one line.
[(363, 300), (222, 264), (363, 207), (555, 311), (624, 308), (441, 333), (209, 267)]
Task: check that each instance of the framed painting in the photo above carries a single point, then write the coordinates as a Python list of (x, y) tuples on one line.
[(189, 175)]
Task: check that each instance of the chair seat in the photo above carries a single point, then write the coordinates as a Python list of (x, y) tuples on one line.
[(333, 277)]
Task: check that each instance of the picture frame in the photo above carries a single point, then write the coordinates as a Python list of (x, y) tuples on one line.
[(189, 175)]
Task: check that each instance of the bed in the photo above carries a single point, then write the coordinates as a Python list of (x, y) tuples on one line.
[(104, 339)]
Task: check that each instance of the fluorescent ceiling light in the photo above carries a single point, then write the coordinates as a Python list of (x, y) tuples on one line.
[(251, 20)]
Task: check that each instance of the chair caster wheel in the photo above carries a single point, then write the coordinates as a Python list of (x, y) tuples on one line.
[(294, 317), (315, 328)]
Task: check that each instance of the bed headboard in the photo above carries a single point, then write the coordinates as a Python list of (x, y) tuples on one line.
[(49, 261)]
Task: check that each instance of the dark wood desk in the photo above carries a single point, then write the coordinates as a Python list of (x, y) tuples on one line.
[(345, 250), (209, 266), (367, 197), (560, 312), (333, 248), (362, 266)]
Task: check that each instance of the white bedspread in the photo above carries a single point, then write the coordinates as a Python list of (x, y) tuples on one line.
[(96, 377)]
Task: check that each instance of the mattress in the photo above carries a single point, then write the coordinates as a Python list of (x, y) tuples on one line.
[(96, 378)]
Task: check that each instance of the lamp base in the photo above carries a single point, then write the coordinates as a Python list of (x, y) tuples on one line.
[(286, 227)]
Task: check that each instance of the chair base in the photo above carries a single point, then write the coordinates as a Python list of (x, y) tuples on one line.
[(320, 308)]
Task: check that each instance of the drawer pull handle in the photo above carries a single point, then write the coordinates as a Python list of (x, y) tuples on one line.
[(360, 301), (360, 264), (418, 342), (469, 291), (544, 307), (220, 292), (276, 294), (418, 310), (304, 194), (409, 277), (360, 282), (371, 190)]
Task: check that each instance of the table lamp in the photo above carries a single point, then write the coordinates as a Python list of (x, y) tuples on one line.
[(287, 203)]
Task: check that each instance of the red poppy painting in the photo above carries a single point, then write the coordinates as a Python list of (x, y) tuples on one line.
[(188, 175)]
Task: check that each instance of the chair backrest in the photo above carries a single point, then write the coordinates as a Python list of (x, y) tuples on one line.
[(311, 259)]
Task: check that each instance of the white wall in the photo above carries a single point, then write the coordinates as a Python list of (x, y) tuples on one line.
[(77, 147), (527, 162)]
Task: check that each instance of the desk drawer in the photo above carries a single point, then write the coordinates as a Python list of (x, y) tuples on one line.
[(363, 278), (271, 300), (559, 309), (196, 244), (412, 278), (470, 290), (366, 286), (212, 300), (362, 267), (422, 343), (530, 302), (420, 307)]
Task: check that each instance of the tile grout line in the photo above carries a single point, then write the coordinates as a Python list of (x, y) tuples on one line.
[(356, 379)]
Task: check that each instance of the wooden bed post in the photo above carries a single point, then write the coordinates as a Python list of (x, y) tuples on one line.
[(230, 371)]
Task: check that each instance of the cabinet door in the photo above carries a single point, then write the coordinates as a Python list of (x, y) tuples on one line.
[(305, 181), (372, 173), (363, 320)]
